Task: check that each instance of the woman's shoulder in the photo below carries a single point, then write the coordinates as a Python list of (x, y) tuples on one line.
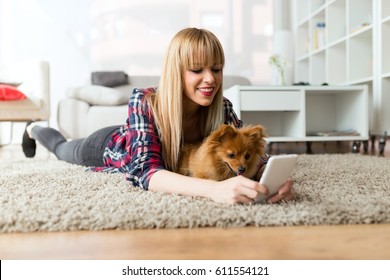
[(142, 92), (139, 95), (230, 115)]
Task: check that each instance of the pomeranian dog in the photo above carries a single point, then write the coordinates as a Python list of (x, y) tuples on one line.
[(225, 153)]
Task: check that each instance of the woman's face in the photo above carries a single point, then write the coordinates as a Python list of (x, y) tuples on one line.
[(202, 83)]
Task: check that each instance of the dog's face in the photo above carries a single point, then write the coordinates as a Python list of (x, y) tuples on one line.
[(239, 149)]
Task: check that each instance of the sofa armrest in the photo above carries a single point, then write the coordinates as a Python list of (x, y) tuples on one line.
[(71, 117), (77, 119)]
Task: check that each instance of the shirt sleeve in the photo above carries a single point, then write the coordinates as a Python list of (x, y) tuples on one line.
[(230, 115), (143, 142)]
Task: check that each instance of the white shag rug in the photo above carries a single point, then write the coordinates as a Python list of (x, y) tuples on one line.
[(51, 195)]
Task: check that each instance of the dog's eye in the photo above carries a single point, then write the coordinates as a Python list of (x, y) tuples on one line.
[(231, 155), (247, 156)]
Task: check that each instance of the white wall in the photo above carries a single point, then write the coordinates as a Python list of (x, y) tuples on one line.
[(46, 30), (80, 36)]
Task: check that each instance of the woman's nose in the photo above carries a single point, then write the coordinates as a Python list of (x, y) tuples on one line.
[(209, 76)]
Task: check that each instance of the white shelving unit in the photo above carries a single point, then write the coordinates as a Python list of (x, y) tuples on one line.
[(346, 54), (355, 49), (384, 80), (304, 113)]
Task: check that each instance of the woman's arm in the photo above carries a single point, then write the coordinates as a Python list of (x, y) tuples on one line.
[(234, 190)]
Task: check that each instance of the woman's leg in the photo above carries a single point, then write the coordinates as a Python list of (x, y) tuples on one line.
[(87, 151)]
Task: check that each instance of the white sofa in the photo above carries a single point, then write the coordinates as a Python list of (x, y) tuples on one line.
[(89, 108)]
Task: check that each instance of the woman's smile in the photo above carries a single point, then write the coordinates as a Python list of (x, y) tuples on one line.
[(206, 91)]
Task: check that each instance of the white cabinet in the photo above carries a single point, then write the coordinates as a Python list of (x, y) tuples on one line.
[(304, 113), (354, 49)]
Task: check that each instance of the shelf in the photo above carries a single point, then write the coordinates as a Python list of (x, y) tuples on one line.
[(303, 57), (336, 19), (337, 66), (359, 30), (385, 48), (334, 138), (277, 123), (303, 11), (346, 51), (337, 110), (360, 56), (303, 40), (385, 75), (386, 19), (318, 75), (361, 81), (317, 6), (385, 9), (314, 139), (302, 72), (360, 13), (291, 113), (355, 51), (385, 99), (341, 40)]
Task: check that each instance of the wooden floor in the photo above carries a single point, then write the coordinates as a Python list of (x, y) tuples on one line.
[(276, 243), (309, 242)]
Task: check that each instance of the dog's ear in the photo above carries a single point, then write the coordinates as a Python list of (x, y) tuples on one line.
[(227, 131), (222, 132), (255, 132)]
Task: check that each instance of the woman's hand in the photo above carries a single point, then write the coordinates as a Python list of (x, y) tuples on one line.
[(242, 190), (236, 190), (285, 193)]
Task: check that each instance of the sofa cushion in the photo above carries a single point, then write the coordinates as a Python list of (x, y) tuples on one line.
[(109, 78), (8, 92), (98, 95), (10, 82)]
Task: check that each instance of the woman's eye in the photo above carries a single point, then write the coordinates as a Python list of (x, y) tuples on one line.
[(217, 70), (196, 71)]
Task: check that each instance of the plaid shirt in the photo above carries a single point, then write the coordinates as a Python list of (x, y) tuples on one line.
[(135, 148)]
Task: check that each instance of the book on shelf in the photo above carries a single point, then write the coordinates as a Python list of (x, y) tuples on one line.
[(319, 35)]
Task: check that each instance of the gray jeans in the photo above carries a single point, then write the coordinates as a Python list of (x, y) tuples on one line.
[(87, 151)]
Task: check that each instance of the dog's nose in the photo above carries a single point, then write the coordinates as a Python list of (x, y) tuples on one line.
[(241, 169)]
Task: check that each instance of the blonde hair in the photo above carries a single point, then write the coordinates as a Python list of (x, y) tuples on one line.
[(189, 47)]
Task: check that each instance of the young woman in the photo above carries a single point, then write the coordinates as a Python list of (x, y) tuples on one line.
[(186, 107)]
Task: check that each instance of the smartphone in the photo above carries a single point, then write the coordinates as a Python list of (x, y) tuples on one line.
[(276, 173)]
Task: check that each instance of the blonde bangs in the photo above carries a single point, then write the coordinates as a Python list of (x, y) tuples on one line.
[(201, 50)]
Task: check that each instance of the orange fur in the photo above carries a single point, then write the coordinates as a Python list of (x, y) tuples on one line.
[(226, 153)]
